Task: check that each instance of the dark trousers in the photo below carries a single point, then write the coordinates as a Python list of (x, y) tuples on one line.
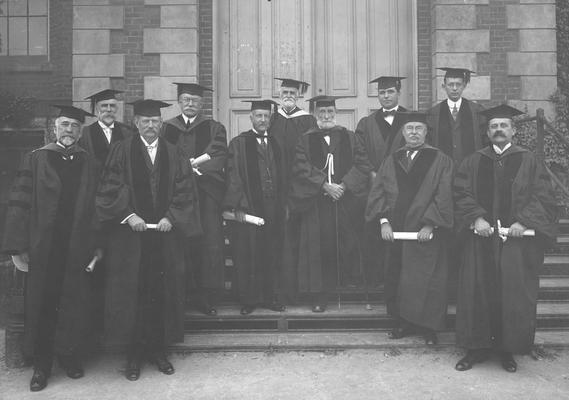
[(149, 331)]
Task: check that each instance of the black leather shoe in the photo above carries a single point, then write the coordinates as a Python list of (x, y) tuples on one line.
[(401, 332), (39, 380), (508, 362), (72, 366), (276, 307), (472, 357), (246, 310), (319, 308), (431, 338), (212, 312), (163, 364), (132, 370)]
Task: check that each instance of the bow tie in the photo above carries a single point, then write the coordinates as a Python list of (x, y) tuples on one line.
[(388, 113)]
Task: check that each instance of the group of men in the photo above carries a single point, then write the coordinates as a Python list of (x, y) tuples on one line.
[(135, 215)]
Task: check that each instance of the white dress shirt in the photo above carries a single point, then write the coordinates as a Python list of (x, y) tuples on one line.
[(107, 130), (151, 148), (186, 119), (389, 119), (263, 139), (499, 151), (451, 104)]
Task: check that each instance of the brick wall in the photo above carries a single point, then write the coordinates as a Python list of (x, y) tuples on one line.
[(424, 50), (206, 52)]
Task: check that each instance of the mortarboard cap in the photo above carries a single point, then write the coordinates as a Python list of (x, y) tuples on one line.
[(148, 108), (261, 104), (72, 112), (386, 82), (323, 101), (102, 95), (191, 88), (501, 111), (462, 73), (300, 85), (413, 116)]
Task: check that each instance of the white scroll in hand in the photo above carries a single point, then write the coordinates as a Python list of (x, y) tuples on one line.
[(250, 219), (91, 266), (20, 263), (200, 160), (407, 236), (151, 226)]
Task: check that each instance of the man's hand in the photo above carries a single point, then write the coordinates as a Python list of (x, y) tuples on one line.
[(516, 230), (98, 253), (333, 190), (193, 162), (239, 216), (425, 234), (386, 232), (164, 225), (21, 261), (482, 227), (136, 223)]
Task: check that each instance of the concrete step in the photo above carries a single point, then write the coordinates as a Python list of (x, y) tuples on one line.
[(330, 341), (347, 316)]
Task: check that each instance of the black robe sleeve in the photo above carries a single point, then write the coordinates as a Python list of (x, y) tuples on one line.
[(235, 196)]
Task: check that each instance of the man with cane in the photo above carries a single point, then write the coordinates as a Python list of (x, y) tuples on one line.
[(328, 190)]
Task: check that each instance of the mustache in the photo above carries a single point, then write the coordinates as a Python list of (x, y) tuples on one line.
[(499, 133)]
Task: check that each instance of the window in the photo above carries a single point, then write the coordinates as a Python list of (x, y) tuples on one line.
[(23, 27)]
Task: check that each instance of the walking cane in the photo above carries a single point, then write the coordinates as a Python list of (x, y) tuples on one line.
[(330, 164)]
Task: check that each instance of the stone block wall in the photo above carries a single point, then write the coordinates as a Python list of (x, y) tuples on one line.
[(139, 46), (511, 45)]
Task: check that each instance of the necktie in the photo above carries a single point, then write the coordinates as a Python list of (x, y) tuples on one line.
[(454, 112), (188, 123), (263, 143), (388, 113)]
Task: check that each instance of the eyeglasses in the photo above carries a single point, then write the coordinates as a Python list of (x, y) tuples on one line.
[(190, 100), (150, 121)]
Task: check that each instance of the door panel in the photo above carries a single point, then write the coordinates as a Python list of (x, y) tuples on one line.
[(337, 46)]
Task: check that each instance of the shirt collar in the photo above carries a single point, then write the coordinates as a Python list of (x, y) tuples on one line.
[(186, 119), (102, 125), (259, 134), (153, 145), (391, 109), (499, 151), (451, 103)]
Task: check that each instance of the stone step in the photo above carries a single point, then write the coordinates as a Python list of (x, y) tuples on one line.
[(346, 316), (330, 341)]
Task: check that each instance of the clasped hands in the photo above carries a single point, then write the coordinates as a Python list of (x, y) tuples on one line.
[(137, 224), (334, 190), (484, 229)]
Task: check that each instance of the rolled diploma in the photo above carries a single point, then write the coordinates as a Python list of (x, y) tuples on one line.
[(250, 219), (151, 226), (19, 262), (528, 232), (407, 235), (91, 266), (201, 159)]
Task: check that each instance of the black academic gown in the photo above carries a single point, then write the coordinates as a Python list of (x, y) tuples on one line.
[(51, 215), (498, 281), (411, 197), (93, 140), (287, 129), (205, 254), (145, 289), (255, 185), (328, 228)]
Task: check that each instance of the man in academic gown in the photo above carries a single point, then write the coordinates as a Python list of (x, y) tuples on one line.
[(412, 192), (377, 132), (146, 181), (328, 190), (500, 185), (98, 137), (51, 225), (458, 126), (255, 170), (287, 125), (197, 135)]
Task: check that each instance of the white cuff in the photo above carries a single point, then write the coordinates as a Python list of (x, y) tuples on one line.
[(383, 221)]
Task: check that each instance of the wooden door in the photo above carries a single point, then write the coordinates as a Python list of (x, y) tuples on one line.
[(337, 46)]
